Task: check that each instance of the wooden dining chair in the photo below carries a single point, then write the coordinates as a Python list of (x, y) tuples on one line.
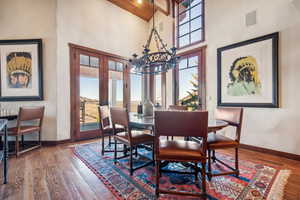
[(130, 138), (182, 124), (106, 129), (215, 141), (177, 107), (32, 115)]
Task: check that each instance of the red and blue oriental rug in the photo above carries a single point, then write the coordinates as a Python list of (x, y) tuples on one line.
[(256, 181)]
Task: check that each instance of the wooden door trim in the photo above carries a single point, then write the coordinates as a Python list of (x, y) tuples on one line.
[(75, 51), (201, 53), (96, 51)]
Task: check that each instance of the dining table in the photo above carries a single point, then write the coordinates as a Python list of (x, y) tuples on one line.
[(4, 151), (8, 114), (5, 116), (139, 121)]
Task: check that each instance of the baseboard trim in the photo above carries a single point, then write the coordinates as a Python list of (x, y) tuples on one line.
[(54, 143), (271, 152)]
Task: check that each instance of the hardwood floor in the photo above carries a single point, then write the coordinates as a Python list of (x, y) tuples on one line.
[(55, 173)]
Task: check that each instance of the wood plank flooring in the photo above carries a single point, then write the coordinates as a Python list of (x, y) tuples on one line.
[(55, 173)]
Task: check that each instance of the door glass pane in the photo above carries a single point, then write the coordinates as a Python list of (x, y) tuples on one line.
[(184, 29), (193, 61), (183, 63), (115, 87), (196, 23), (196, 36), (84, 60), (183, 17), (196, 11), (195, 2), (184, 5), (188, 87), (185, 40), (94, 61), (89, 93), (135, 91)]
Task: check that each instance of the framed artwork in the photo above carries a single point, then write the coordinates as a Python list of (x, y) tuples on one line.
[(21, 70), (248, 73)]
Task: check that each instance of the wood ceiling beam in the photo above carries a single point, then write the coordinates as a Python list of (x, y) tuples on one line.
[(142, 10)]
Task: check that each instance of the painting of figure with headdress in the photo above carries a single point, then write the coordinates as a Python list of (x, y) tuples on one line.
[(19, 69), (244, 77), (248, 73)]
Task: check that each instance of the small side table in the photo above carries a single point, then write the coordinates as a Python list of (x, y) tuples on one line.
[(4, 152)]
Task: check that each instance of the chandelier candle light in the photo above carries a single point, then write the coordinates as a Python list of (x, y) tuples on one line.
[(151, 63)]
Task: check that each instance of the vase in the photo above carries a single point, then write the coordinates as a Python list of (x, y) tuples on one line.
[(147, 108)]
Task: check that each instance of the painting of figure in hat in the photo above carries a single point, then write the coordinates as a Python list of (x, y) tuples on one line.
[(244, 77), (19, 69)]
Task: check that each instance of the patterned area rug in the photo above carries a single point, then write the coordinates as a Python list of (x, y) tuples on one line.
[(256, 181)]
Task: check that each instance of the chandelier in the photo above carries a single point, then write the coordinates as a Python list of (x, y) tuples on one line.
[(154, 62)]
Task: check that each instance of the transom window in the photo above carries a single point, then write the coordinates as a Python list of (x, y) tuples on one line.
[(89, 61), (190, 22)]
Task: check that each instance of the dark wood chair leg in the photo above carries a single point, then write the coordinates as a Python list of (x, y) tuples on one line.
[(196, 173), (214, 155), (203, 172), (209, 165), (157, 176), (125, 149), (237, 161), (17, 146), (115, 153), (102, 150), (136, 151), (153, 153), (40, 138), (109, 141), (131, 161), (22, 141)]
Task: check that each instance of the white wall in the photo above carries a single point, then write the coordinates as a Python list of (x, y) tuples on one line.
[(96, 24), (30, 19), (276, 129)]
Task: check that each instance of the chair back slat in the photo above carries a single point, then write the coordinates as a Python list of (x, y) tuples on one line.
[(231, 115), (177, 107), (104, 116), (31, 113), (181, 123), (234, 116), (119, 116)]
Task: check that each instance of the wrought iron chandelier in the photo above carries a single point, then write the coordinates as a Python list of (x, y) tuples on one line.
[(154, 62)]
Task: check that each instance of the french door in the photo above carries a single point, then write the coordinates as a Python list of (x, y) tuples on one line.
[(97, 78)]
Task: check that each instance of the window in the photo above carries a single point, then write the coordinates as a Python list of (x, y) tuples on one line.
[(190, 80), (190, 22), (89, 61), (135, 91)]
